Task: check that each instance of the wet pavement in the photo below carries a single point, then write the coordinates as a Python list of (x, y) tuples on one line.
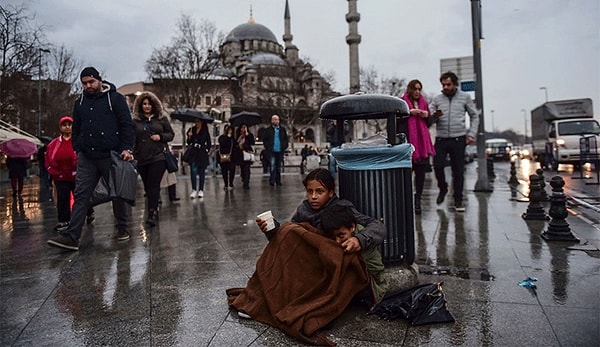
[(166, 286)]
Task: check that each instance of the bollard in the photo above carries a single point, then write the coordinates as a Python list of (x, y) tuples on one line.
[(513, 182), (540, 173), (535, 210), (558, 227), (490, 168)]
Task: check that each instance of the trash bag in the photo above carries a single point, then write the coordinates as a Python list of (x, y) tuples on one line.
[(423, 304), (121, 182)]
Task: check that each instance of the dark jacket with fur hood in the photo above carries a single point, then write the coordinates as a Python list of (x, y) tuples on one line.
[(146, 150), (102, 123)]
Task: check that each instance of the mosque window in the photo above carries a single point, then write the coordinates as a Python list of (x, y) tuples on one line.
[(207, 100), (218, 100)]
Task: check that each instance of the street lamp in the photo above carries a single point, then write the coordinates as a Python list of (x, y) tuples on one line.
[(545, 92), (41, 50), (492, 120), (525, 119)]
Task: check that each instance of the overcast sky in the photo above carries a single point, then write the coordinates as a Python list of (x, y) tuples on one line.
[(527, 44)]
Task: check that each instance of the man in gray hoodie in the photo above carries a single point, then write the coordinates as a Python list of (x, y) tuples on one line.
[(452, 135)]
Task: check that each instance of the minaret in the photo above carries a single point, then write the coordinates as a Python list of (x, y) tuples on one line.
[(353, 39), (291, 51)]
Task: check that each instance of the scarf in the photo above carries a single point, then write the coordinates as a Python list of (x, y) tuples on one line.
[(418, 132)]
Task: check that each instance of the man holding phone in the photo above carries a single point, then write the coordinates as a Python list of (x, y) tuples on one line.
[(452, 135)]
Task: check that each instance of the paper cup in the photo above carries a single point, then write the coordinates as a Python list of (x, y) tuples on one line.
[(268, 217)]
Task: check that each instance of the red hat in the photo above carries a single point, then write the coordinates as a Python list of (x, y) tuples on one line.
[(65, 119)]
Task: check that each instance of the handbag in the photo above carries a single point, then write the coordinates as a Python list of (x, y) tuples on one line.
[(248, 156), (187, 155), (226, 157), (172, 162)]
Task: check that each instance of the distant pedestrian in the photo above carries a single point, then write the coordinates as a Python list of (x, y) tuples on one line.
[(265, 161), (416, 126), (45, 179), (17, 171), (101, 123), (245, 141), (198, 140), (226, 146), (61, 164), (153, 132), (276, 142), (452, 135)]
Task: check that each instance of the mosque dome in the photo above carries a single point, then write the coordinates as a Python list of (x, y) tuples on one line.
[(251, 31)]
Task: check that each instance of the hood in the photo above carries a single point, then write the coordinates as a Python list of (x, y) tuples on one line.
[(107, 88), (158, 108)]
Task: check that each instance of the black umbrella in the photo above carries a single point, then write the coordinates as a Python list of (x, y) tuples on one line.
[(245, 117), (190, 115), (45, 139)]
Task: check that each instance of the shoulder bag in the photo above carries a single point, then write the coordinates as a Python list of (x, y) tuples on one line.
[(172, 162), (226, 157)]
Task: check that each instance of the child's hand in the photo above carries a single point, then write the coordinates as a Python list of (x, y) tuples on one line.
[(262, 224), (352, 245)]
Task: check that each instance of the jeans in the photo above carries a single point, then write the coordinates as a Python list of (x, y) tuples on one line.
[(63, 199), (198, 174), (455, 147), (275, 170), (151, 174), (228, 172), (245, 172), (89, 172)]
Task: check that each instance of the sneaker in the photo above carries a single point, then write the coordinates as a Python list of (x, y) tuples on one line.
[(194, 194), (62, 226), (200, 194), (90, 219), (230, 188), (441, 196), (459, 206), (244, 315), (122, 235), (64, 242)]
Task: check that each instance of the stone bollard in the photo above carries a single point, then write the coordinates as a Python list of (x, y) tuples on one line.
[(513, 182), (558, 227), (535, 210), (540, 173)]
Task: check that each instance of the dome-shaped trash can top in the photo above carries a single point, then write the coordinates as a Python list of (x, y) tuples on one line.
[(363, 106), (374, 158)]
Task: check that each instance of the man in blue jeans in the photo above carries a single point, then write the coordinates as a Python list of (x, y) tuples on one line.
[(101, 123), (452, 136), (276, 142)]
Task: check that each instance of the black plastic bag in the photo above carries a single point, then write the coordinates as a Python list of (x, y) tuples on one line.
[(121, 182), (424, 304)]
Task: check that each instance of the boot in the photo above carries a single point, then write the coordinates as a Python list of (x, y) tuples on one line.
[(152, 218), (417, 204)]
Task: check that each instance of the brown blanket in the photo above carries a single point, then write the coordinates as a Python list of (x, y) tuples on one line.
[(302, 282)]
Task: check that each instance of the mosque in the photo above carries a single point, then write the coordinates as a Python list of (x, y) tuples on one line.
[(254, 72)]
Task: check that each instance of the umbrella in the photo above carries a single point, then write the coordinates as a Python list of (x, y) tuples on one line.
[(190, 115), (45, 139), (18, 148), (245, 117)]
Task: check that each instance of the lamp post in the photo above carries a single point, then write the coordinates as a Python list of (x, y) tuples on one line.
[(545, 92), (492, 120), (40, 51), (525, 120)]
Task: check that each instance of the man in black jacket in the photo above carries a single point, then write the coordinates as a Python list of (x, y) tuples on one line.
[(276, 142), (101, 123)]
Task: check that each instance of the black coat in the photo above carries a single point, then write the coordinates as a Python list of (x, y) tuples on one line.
[(269, 138), (148, 151), (17, 167), (199, 144)]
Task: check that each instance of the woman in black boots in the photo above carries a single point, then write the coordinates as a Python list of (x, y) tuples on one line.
[(152, 133)]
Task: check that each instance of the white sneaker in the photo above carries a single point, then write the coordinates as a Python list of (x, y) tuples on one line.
[(244, 315), (200, 194), (194, 194)]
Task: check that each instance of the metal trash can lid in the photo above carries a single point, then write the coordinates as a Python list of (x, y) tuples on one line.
[(374, 158), (363, 106)]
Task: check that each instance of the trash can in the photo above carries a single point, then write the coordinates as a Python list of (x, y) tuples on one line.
[(377, 180)]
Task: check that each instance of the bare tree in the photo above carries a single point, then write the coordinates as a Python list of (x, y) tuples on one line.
[(370, 82), (180, 68), (20, 41)]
